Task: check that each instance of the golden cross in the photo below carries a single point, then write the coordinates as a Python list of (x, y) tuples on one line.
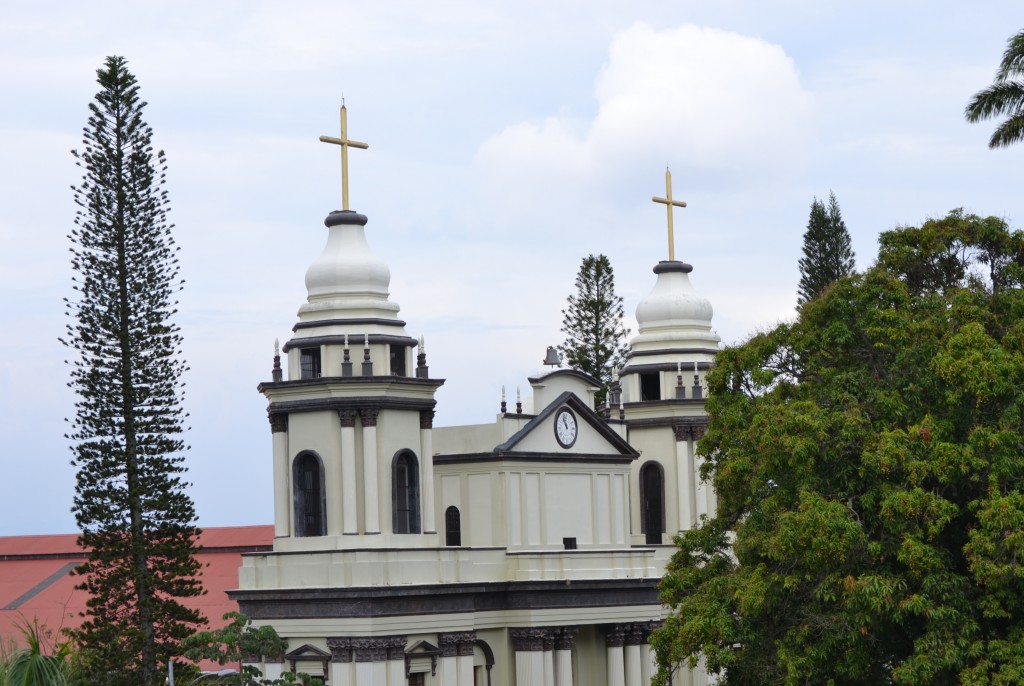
[(345, 144), (669, 203)]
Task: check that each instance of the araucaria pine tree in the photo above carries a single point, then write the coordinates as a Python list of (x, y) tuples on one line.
[(592, 322), (136, 519), (828, 255)]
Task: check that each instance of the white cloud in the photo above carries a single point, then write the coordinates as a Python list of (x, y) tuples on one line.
[(700, 97)]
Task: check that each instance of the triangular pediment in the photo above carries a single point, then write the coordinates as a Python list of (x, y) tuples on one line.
[(307, 652), (584, 434), (422, 648)]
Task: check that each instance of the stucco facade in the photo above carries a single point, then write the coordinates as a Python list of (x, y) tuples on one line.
[(521, 552)]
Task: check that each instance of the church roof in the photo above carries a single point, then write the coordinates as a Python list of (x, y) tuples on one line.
[(36, 581)]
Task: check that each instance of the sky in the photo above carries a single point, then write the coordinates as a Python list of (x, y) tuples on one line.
[(508, 140)]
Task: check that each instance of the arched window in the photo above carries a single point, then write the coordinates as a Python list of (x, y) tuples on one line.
[(652, 502), (452, 526), (405, 493), (308, 481)]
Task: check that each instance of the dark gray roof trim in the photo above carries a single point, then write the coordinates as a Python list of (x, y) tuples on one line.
[(673, 351), (373, 402), (360, 321), (351, 380), (345, 217), (701, 422), (662, 367), (561, 458), (396, 601), (355, 342), (673, 266), (566, 372), (586, 414)]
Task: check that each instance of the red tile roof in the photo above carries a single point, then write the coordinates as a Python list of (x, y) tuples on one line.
[(35, 580)]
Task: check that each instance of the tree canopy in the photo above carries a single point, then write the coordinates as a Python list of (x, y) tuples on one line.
[(136, 520), (868, 464), (828, 254), (592, 322), (1005, 97)]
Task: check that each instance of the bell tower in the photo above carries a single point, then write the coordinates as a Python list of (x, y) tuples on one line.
[(351, 406), (661, 393)]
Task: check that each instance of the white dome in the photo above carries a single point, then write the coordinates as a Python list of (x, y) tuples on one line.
[(674, 314), (347, 279)]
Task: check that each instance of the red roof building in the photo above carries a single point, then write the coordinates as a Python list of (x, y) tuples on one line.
[(36, 581)]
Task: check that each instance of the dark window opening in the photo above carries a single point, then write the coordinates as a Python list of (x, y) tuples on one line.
[(309, 496), (652, 502), (417, 679), (309, 363), (650, 386), (405, 494), (569, 543), (397, 360), (452, 526)]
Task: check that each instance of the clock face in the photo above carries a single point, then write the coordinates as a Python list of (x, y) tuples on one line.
[(565, 428)]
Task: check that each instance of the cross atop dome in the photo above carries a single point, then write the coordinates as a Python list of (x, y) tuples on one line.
[(669, 204), (345, 144)]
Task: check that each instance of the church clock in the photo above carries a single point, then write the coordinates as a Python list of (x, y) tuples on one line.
[(565, 428)]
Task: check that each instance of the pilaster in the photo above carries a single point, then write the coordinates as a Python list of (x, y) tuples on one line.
[(371, 492), (349, 502)]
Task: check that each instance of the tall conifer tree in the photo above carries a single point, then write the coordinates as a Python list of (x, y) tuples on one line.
[(828, 254), (136, 520), (592, 322)]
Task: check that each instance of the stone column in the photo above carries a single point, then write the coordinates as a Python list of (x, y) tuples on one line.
[(464, 658), (710, 500), (282, 475), (549, 657), (429, 518), (631, 654), (448, 664), (396, 660), (614, 639), (371, 656), (684, 478), (456, 658), (648, 658), (703, 488), (529, 647), (564, 638), (341, 662), (371, 495), (349, 496)]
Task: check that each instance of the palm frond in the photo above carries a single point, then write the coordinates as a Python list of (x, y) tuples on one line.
[(1013, 59), (1009, 132), (1006, 97)]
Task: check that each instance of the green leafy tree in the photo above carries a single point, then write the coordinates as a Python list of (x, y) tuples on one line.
[(236, 641), (828, 255), (136, 520), (867, 460), (1005, 97), (592, 322)]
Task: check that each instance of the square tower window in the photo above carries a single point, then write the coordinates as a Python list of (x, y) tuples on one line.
[(309, 363), (650, 386), (397, 359)]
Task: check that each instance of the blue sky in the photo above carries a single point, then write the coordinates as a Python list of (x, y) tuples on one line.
[(507, 141)]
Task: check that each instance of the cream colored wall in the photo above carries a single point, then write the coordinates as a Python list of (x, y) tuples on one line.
[(472, 438), (536, 504), (542, 439), (547, 390), (396, 430), (654, 444)]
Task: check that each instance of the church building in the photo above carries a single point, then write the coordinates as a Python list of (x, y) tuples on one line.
[(522, 552)]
